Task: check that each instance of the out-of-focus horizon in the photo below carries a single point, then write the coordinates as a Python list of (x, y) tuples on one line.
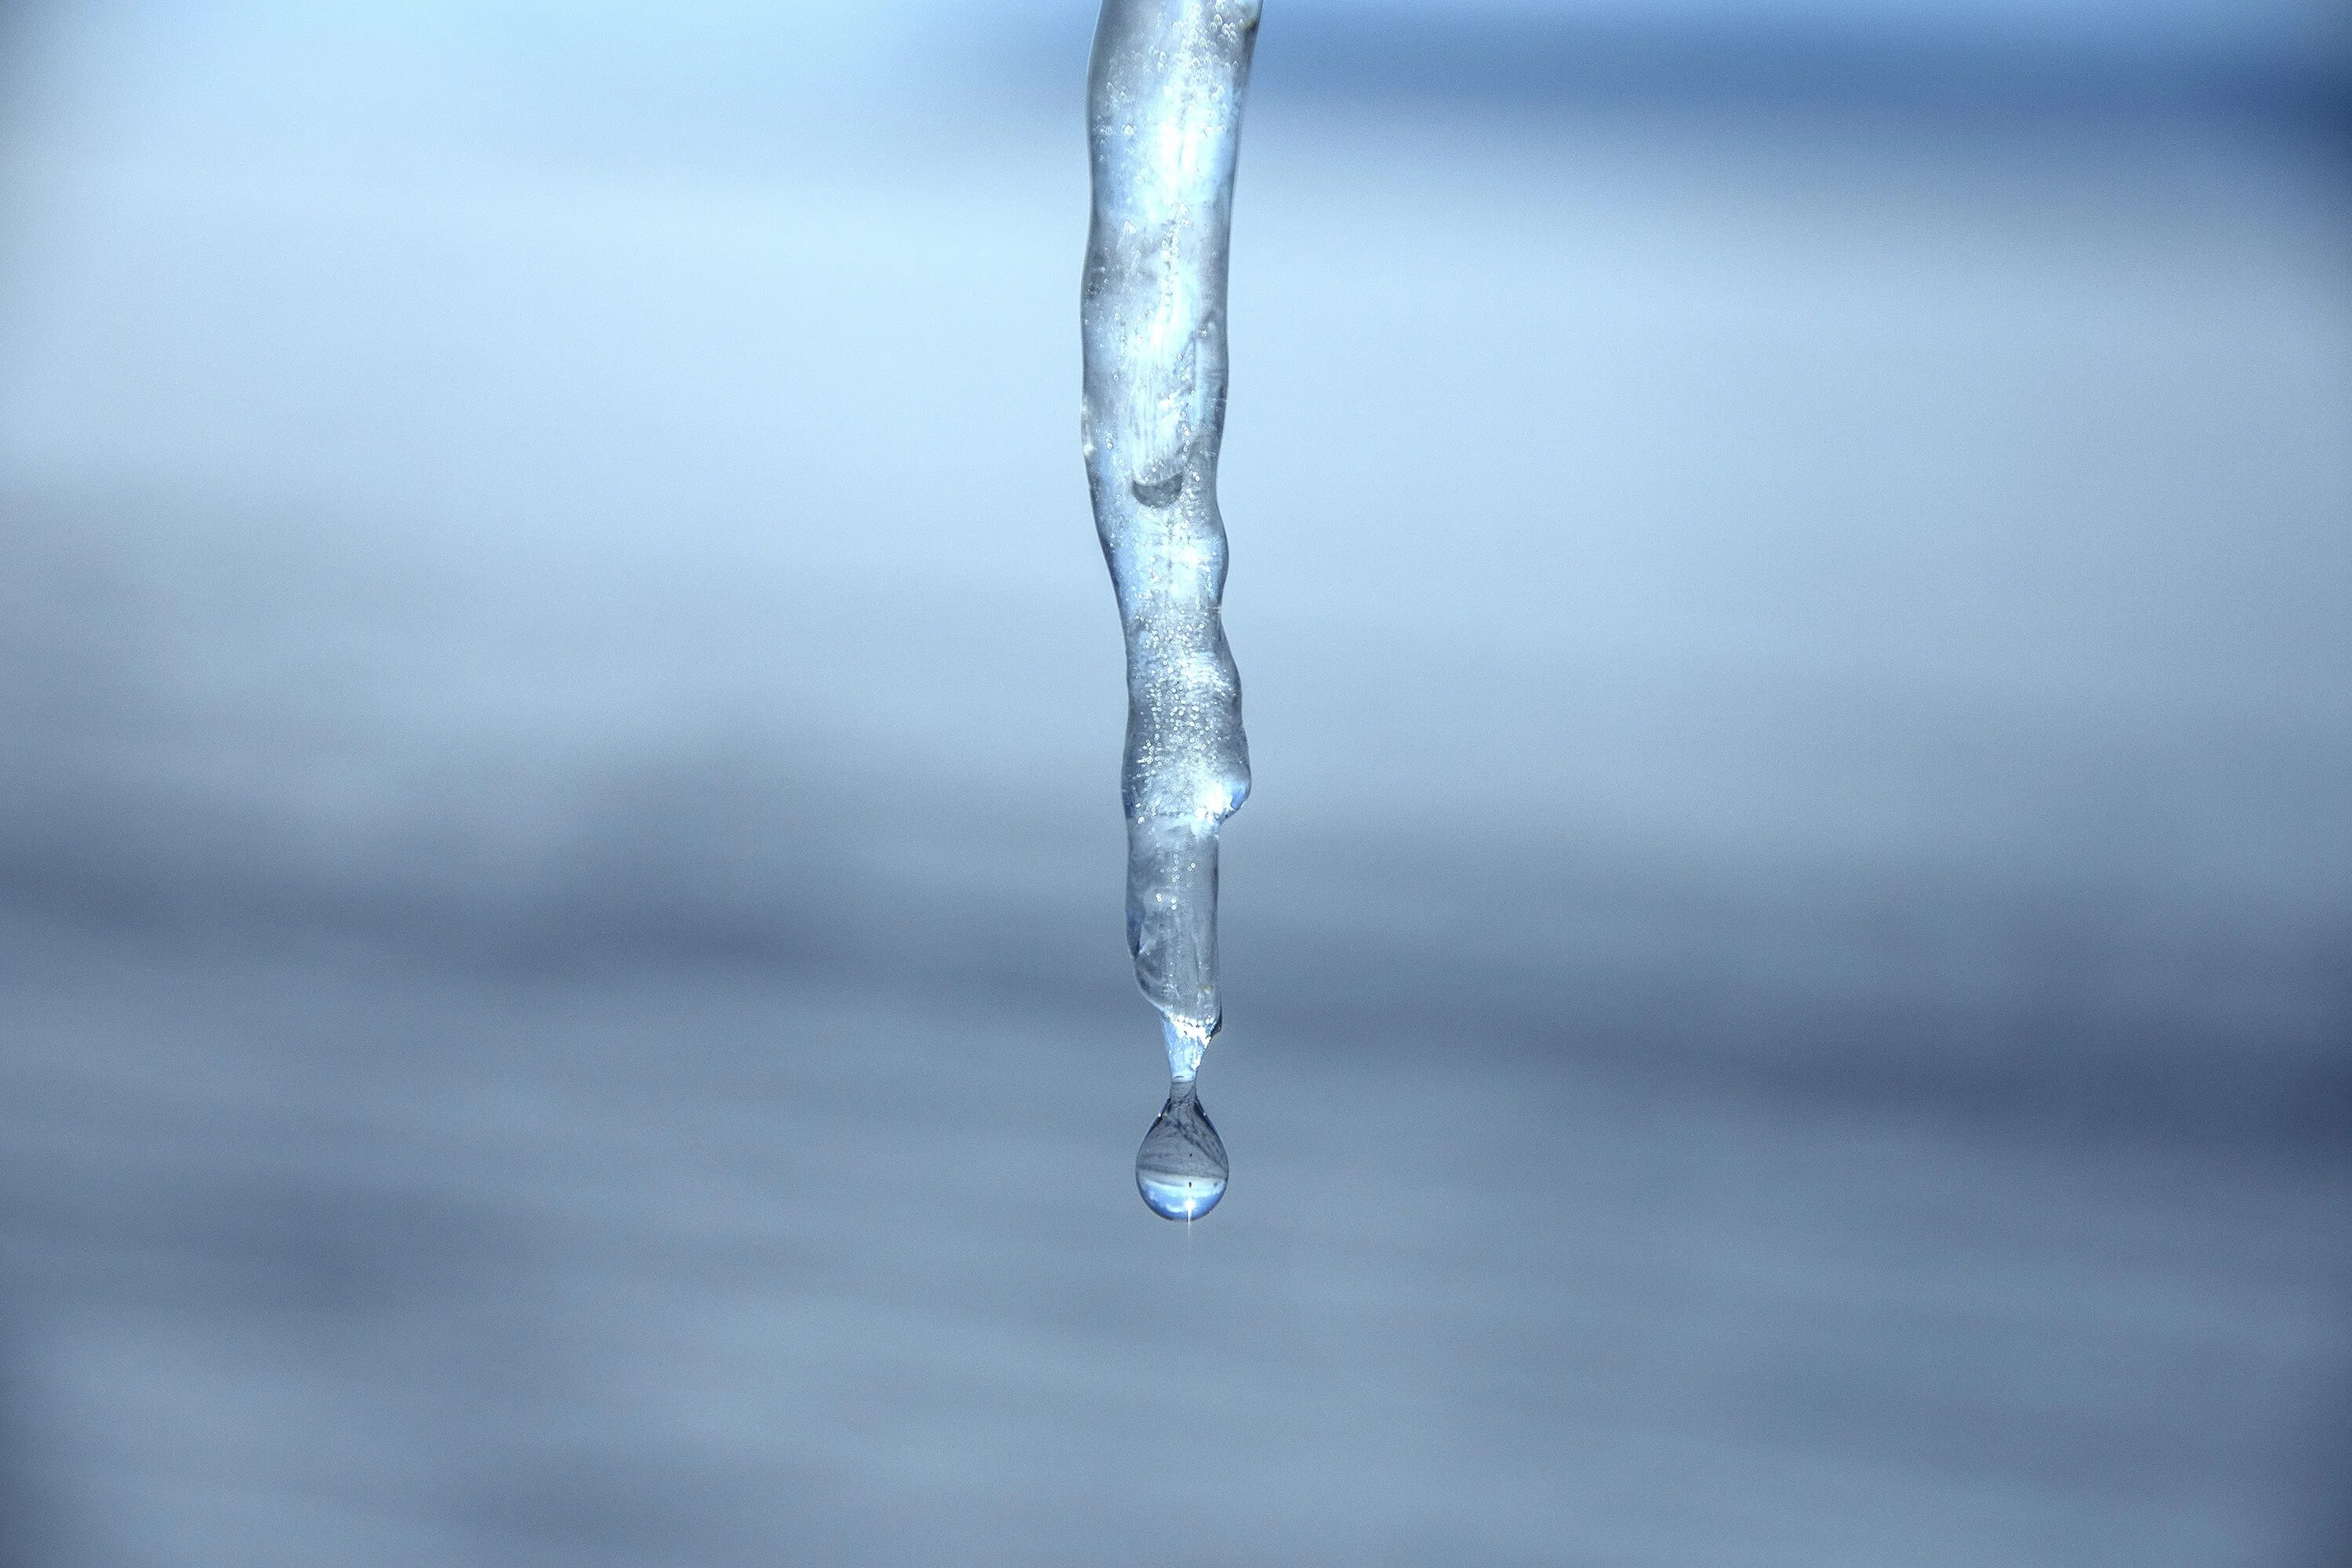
[(559, 834)]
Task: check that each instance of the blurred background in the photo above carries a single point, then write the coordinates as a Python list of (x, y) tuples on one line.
[(561, 984)]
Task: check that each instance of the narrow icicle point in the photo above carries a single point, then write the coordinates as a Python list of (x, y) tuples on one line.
[(1163, 124), (1180, 1169)]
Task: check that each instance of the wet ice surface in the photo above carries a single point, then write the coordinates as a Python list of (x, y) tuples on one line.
[(1163, 129), (1797, 1009), (1164, 126)]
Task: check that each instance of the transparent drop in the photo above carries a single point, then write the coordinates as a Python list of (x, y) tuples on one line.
[(1180, 1170)]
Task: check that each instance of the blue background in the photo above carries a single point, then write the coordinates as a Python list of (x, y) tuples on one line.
[(562, 995)]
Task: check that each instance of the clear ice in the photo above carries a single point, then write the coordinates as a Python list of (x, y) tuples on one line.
[(1164, 126)]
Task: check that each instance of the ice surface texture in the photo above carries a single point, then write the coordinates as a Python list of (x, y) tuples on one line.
[(1163, 124)]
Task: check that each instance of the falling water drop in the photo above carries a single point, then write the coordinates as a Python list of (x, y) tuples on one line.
[(1180, 1169)]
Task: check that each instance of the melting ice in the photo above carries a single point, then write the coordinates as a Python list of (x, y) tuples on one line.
[(1164, 125)]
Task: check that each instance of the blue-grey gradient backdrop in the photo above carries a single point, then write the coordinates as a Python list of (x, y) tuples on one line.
[(562, 997)]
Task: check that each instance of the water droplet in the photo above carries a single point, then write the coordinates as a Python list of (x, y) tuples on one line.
[(1180, 1169)]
